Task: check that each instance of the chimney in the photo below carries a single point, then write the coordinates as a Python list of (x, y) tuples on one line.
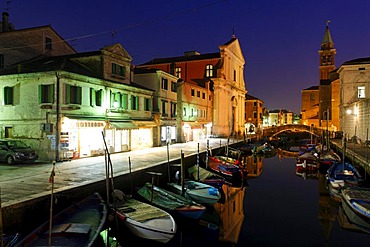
[(5, 23), (191, 53)]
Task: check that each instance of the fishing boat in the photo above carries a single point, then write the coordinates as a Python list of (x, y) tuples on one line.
[(231, 172), (343, 173), (307, 162), (78, 225), (361, 223), (171, 202), (199, 192), (142, 219), (203, 175), (328, 158), (358, 199)]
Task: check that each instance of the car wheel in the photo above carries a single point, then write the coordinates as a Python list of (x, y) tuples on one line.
[(9, 160)]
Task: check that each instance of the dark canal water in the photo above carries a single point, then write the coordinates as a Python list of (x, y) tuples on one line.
[(281, 209)]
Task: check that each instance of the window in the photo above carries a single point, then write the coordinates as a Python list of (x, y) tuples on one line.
[(178, 72), (124, 101), (164, 110), (118, 70), (361, 92), (312, 96), (46, 94), (173, 109), (184, 112), (8, 95), (234, 75), (96, 97), (48, 43), (209, 70), (2, 62), (203, 95), (173, 86), (254, 103), (192, 92), (134, 102), (146, 104), (198, 94), (73, 95), (164, 84)]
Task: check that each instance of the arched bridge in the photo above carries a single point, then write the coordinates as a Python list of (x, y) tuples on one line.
[(275, 130)]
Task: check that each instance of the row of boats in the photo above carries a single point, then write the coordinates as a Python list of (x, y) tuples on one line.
[(151, 213), (345, 183)]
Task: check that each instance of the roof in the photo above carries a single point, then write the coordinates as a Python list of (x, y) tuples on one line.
[(312, 88), (364, 60), (183, 58)]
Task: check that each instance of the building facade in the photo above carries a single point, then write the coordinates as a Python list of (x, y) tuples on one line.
[(354, 76), (75, 101), (224, 72), (253, 114)]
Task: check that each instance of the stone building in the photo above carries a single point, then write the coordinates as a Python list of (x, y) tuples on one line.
[(62, 105), (354, 77), (223, 71), (253, 113)]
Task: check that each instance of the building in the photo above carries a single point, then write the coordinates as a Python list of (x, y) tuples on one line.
[(253, 114), (317, 101), (354, 77), (30, 43), (64, 105), (223, 73)]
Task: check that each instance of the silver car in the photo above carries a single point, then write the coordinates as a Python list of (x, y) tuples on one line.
[(16, 151)]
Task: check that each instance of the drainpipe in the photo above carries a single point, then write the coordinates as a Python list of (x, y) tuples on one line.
[(57, 130)]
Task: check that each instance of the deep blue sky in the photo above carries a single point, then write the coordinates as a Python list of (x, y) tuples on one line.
[(280, 39)]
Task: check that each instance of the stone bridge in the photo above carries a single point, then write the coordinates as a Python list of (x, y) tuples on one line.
[(275, 130)]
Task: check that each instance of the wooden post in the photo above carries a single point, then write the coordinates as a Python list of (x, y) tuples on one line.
[(51, 179), (182, 174), (1, 223)]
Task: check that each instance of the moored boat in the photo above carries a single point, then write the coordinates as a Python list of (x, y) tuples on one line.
[(199, 192), (343, 173), (142, 219), (78, 225), (171, 202), (307, 161), (358, 199)]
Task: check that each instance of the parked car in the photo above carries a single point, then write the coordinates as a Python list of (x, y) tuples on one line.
[(15, 151)]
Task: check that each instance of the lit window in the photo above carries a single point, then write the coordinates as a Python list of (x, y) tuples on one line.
[(361, 92), (209, 70), (178, 72)]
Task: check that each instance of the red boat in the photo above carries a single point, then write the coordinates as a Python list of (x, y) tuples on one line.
[(231, 172), (307, 162)]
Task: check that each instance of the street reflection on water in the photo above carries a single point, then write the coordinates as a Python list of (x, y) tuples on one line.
[(281, 208)]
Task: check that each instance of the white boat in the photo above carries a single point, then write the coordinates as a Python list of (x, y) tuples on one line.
[(358, 199), (144, 220), (197, 191)]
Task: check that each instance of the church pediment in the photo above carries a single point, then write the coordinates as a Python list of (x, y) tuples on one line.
[(118, 50), (233, 46)]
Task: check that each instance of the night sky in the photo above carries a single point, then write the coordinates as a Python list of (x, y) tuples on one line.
[(280, 39)]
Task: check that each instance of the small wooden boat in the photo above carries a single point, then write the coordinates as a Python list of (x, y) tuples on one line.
[(76, 226), (358, 199), (197, 191), (231, 172), (361, 223), (171, 202), (205, 176), (307, 162), (343, 173), (328, 158), (142, 219)]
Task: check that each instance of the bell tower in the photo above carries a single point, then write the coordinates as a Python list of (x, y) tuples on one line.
[(327, 54)]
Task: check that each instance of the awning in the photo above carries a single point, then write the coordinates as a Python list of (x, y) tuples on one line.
[(145, 123), (124, 125)]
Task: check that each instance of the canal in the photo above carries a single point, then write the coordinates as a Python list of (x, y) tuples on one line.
[(281, 209)]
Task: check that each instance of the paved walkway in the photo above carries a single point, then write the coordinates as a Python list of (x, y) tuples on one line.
[(24, 182), (19, 183)]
